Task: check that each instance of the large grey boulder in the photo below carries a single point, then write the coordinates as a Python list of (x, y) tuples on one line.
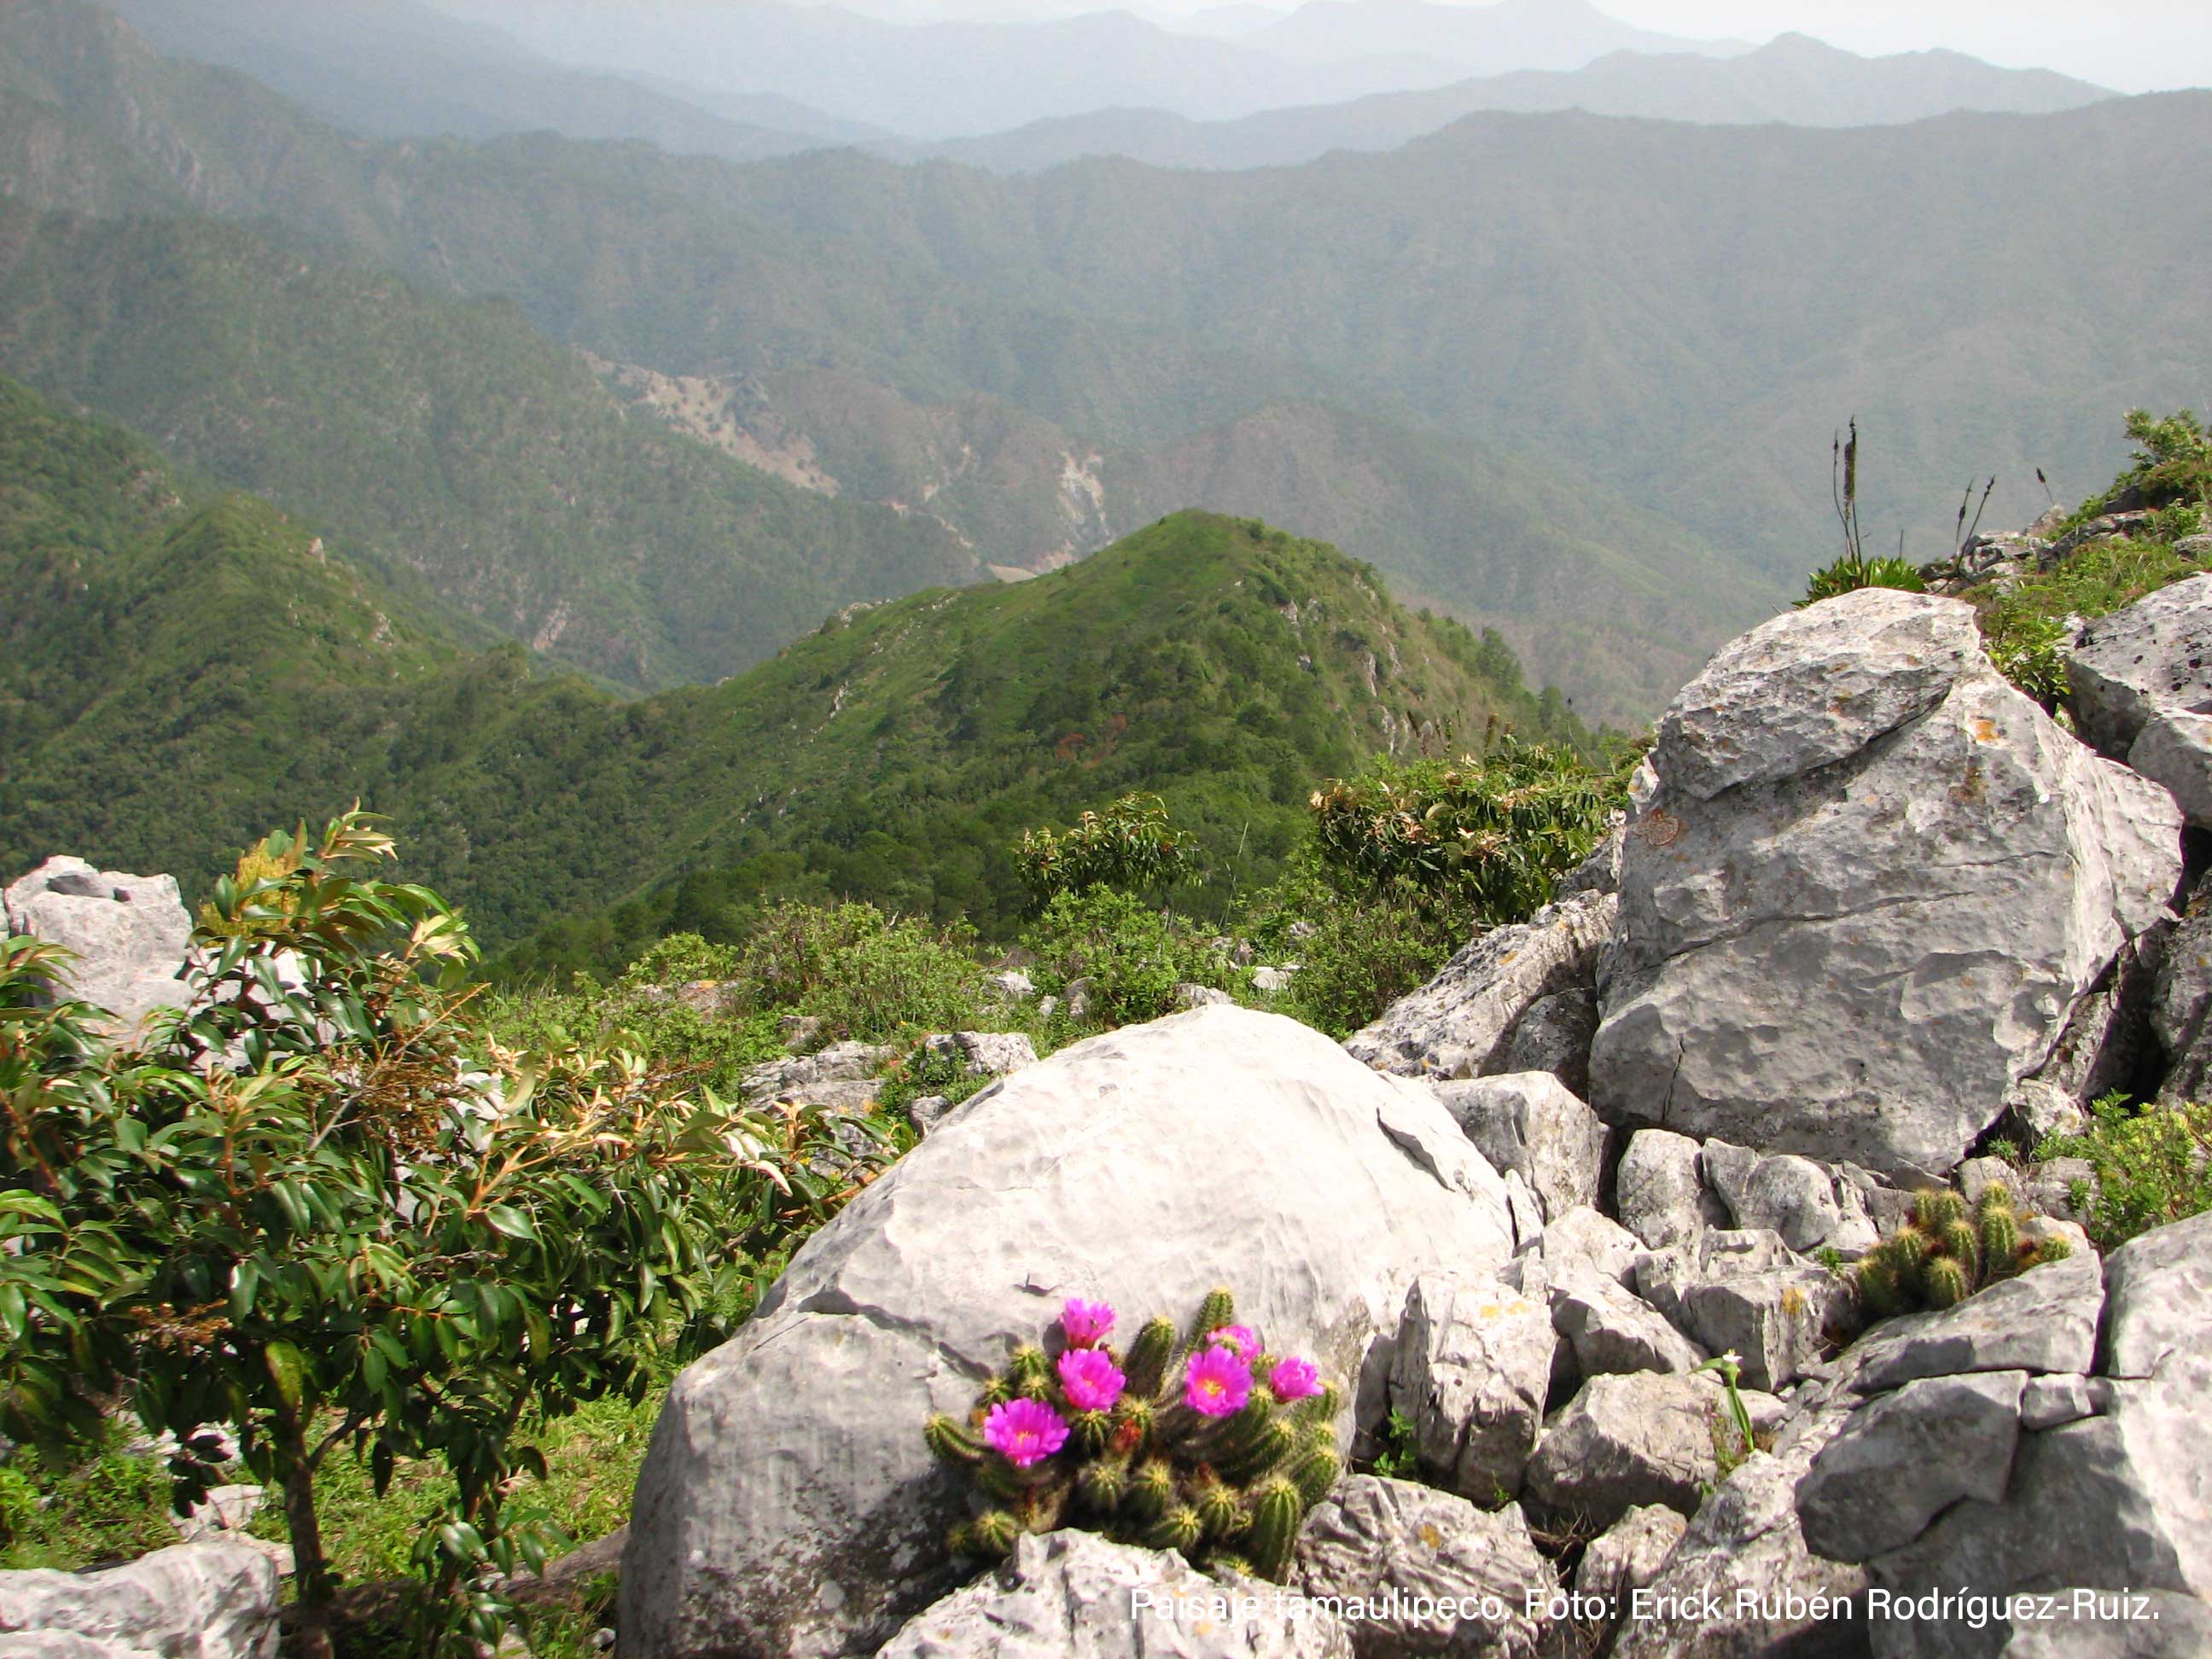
[(1584, 1240), (204, 1601), (129, 934), (1428, 1564), (787, 1506), (1472, 1366), (1554, 1035), (1609, 1329), (1075, 1596), (1463, 1022), (1743, 1584), (2175, 749), (1864, 884), (1903, 1458), (2120, 1501), (1807, 1204), (842, 1078), (1751, 1296), (1625, 1557), (1529, 1121), (2124, 669), (2181, 1002)]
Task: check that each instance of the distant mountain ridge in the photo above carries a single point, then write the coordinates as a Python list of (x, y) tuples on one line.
[(1793, 81)]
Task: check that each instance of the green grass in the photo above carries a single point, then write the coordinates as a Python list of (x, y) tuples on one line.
[(2023, 626)]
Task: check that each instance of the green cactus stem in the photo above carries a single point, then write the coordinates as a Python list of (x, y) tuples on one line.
[(1276, 1513), (1321, 1407), (1092, 1432), (1314, 1471), (1218, 1308), (952, 1443), (993, 1534), (1151, 1489), (1179, 1529), (1964, 1246), (1275, 1441), (1218, 1505), (1103, 1484), (1946, 1284), (1149, 1355), (2000, 1240)]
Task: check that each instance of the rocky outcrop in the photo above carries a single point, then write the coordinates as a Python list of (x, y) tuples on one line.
[(1864, 884), (787, 1505), (2124, 671), (1076, 1595), (841, 1077), (1473, 1365), (129, 934), (1462, 1023), (203, 1600), (1661, 1192), (1625, 1441)]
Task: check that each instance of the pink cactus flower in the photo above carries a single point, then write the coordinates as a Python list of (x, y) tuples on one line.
[(1024, 1432), (1217, 1382), (1294, 1379), (1093, 1382), (1087, 1323), (1240, 1340)]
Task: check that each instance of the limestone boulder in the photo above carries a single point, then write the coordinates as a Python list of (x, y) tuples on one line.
[(1463, 1022), (1608, 1329), (1554, 1035), (1431, 1563), (1864, 884), (2125, 670), (1584, 1240), (1906, 1457), (1626, 1440), (1625, 1558), (1529, 1122), (129, 934), (215, 1600), (2044, 1322), (1661, 1191), (1075, 1596), (787, 1506)]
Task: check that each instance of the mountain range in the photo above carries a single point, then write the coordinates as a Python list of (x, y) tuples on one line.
[(1571, 377), (184, 668)]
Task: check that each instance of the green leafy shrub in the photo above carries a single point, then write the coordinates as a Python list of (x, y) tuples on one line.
[(1131, 845), (1942, 1253), (2153, 1165), (1483, 838), (2173, 465), (1356, 957), (1854, 571), (2024, 624), (1132, 955), (321, 1206), (1208, 1444)]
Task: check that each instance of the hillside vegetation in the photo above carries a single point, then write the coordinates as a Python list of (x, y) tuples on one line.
[(449, 441), (183, 669)]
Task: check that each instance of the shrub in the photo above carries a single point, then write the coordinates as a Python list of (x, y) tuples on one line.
[(1209, 1445), (1131, 846), (322, 1207), (1132, 956), (1485, 836), (2153, 1165), (2173, 465), (1355, 958), (1942, 1254)]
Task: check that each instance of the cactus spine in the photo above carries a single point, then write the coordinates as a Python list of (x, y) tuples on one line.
[(1149, 1355), (951, 1443), (1276, 1513)]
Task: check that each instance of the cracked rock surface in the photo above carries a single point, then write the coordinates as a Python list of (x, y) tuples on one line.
[(1857, 907), (787, 1504)]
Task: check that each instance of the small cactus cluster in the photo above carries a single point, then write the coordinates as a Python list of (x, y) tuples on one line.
[(1944, 1252), (1200, 1442)]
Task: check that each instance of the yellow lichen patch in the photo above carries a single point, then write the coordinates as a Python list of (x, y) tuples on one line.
[(1985, 729)]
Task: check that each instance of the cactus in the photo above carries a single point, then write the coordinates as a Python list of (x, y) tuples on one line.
[(1276, 1513), (951, 1443), (1185, 1444), (1149, 1356), (1943, 1253)]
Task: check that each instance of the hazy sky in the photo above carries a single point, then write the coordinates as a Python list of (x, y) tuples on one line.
[(2136, 45)]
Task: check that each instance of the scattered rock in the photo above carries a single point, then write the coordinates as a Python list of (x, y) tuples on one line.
[(2159, 1298), (1864, 884), (1742, 1584), (2125, 670), (985, 1054), (787, 1504), (224, 1509), (1473, 1364), (1582, 1240), (841, 1077), (1752, 1297), (2180, 1001), (1527, 1122), (2175, 749), (1792, 1196), (1012, 983), (1434, 1561), (1075, 1593), (2050, 1402), (1198, 996), (1611, 1330), (927, 1111), (801, 1032), (2043, 1322), (1626, 1556), (1660, 1195), (215, 1599), (129, 934), (1626, 1440), (1460, 1024), (1903, 1458)]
